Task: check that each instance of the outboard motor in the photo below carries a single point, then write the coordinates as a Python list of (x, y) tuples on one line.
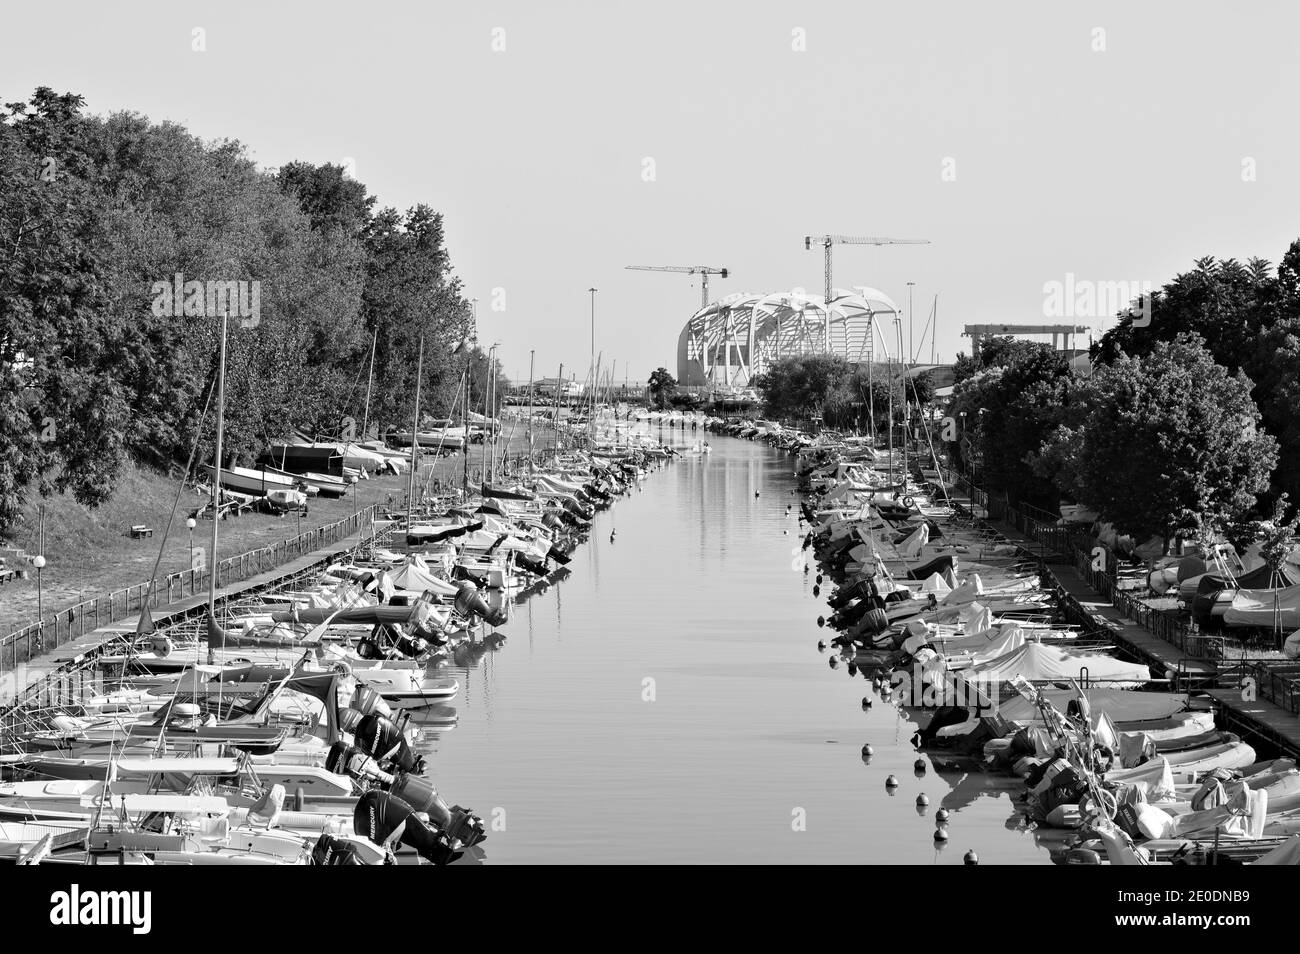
[(387, 743), (344, 759), (459, 824), (331, 850), (469, 603), (368, 699), (558, 555), (531, 565), (385, 818)]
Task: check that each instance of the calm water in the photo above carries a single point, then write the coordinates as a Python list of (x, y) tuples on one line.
[(748, 729)]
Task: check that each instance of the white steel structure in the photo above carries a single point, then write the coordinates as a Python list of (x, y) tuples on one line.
[(733, 340)]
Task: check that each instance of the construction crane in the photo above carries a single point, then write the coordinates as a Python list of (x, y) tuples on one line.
[(826, 241), (704, 271)]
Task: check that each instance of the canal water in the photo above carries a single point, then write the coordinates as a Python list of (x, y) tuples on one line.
[(667, 703)]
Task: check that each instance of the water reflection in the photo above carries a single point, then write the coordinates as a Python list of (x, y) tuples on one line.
[(700, 600)]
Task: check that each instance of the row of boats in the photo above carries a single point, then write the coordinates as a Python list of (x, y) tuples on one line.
[(968, 634), (286, 730)]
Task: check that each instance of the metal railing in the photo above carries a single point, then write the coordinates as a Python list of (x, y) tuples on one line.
[(1277, 682), (55, 629)]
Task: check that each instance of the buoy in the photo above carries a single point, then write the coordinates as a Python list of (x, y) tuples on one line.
[(971, 858), (819, 578), (941, 815), (835, 662), (940, 834), (817, 590), (853, 669), (867, 750), (755, 493), (785, 532), (821, 645), (805, 568), (891, 782), (919, 765), (866, 703), (922, 800), (821, 620)]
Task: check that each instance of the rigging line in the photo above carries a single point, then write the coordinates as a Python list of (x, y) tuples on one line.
[(198, 435)]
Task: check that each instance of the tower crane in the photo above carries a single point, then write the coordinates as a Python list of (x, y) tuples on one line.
[(827, 241), (704, 271)]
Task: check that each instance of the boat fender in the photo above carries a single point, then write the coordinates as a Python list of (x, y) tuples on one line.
[(908, 502)]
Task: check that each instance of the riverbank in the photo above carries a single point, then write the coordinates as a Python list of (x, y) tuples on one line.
[(91, 552)]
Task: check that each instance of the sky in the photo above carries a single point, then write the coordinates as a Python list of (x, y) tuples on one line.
[(562, 141)]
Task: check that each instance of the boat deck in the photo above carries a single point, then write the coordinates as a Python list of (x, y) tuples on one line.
[(1259, 719)]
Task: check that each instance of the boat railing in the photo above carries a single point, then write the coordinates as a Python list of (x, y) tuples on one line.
[(55, 629)]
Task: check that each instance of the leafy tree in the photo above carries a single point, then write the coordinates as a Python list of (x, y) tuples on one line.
[(661, 387), (63, 409), (1165, 445), (799, 387)]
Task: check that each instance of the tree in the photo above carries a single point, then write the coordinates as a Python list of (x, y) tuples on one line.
[(661, 387), (1165, 445), (63, 408), (800, 387)]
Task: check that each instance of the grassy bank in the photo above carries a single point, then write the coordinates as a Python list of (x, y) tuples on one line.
[(91, 552)]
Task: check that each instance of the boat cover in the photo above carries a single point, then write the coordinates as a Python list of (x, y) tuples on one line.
[(1287, 853), (1040, 662), (1255, 607), (1121, 705)]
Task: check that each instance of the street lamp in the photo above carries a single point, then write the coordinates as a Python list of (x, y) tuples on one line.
[(38, 561), (191, 523), (355, 478)]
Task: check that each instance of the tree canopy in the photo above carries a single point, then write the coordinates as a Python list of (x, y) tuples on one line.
[(96, 213)]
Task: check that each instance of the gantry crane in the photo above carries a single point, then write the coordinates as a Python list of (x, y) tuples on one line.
[(704, 271), (826, 241)]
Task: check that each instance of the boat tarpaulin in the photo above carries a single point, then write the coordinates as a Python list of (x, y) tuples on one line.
[(1039, 662), (368, 615), (1121, 705), (1257, 608), (508, 493)]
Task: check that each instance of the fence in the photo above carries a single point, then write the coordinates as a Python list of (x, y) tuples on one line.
[(1040, 526), (1279, 683), (58, 628)]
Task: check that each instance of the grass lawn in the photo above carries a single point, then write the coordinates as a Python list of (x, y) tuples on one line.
[(91, 552)]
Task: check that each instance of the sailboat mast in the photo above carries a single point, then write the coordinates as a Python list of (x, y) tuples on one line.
[(555, 424), (370, 380), (464, 426), (216, 470), (415, 438), (531, 356)]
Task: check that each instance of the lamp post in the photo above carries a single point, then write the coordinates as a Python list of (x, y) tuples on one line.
[(191, 523), (38, 561), (593, 335)]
